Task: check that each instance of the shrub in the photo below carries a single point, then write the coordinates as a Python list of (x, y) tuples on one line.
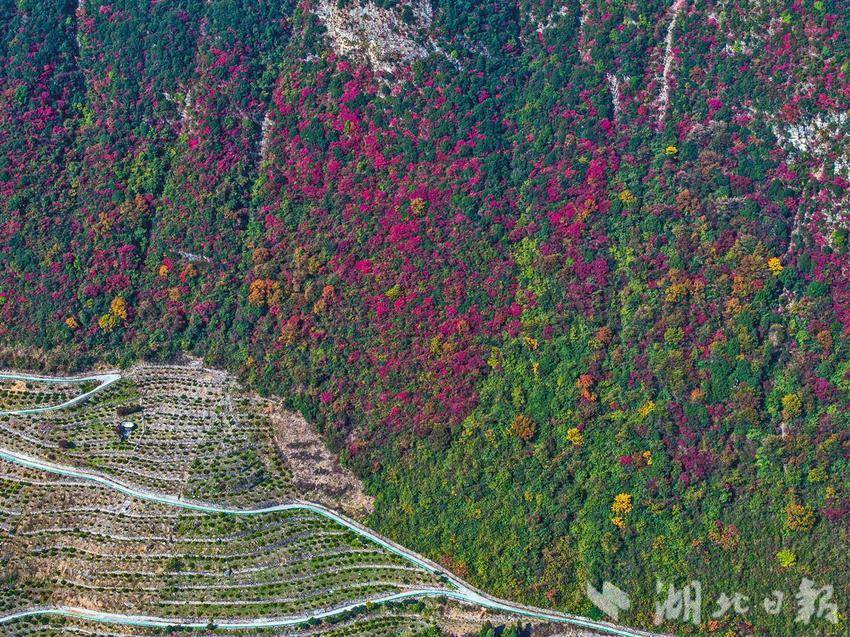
[(786, 558), (524, 427), (575, 436), (799, 517)]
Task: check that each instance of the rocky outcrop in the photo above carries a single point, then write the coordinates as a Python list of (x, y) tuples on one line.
[(382, 38)]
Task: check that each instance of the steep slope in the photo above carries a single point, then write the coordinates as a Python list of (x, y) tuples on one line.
[(514, 260)]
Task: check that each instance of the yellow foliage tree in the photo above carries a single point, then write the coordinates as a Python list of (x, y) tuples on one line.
[(257, 293), (786, 558), (264, 292), (118, 308), (417, 205), (647, 408), (622, 504), (791, 406), (627, 197), (107, 322)]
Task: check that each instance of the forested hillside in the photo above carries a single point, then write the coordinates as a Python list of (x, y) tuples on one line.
[(567, 284)]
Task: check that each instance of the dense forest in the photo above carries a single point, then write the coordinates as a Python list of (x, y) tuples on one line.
[(567, 284)]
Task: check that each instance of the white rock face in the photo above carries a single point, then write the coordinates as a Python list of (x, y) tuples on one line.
[(365, 32), (614, 87), (824, 138), (819, 136), (667, 69), (542, 24)]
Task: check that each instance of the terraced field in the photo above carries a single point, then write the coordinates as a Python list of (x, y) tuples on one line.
[(71, 543), (17, 393), (405, 620), (188, 437), (193, 433), (84, 545)]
